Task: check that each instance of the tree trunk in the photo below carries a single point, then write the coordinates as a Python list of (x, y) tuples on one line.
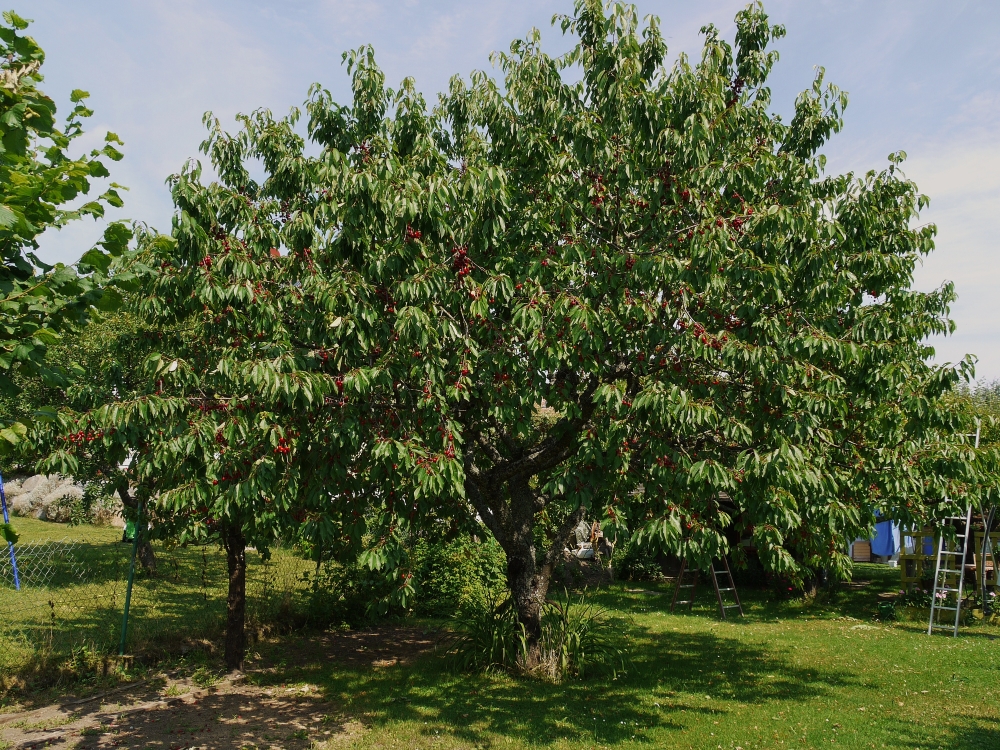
[(528, 589), (147, 558), (528, 584), (511, 520), (527, 575), (236, 602)]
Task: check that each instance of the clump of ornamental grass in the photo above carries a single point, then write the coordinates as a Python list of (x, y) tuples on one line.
[(578, 638)]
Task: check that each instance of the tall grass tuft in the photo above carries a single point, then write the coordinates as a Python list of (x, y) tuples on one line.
[(578, 638), (487, 638)]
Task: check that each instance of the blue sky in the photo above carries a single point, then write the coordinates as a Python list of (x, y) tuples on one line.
[(923, 76)]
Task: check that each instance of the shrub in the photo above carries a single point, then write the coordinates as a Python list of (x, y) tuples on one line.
[(93, 506), (348, 595), (459, 574), (637, 562), (918, 597)]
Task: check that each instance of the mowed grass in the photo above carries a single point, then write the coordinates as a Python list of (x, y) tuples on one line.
[(792, 674), (74, 581), (789, 675)]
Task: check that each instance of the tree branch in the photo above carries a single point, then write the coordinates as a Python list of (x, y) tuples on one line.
[(553, 450)]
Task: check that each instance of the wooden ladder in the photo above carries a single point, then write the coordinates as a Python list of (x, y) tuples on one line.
[(730, 589), (681, 585), (724, 572)]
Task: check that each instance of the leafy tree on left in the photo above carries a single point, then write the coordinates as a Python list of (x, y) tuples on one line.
[(241, 427), (40, 185)]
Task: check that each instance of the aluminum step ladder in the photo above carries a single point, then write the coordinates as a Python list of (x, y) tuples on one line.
[(988, 562), (950, 563), (941, 591), (692, 584)]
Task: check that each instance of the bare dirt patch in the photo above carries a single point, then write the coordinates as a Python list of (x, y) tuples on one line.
[(233, 714), (376, 647)]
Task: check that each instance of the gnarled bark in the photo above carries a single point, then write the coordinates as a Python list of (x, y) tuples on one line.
[(528, 574), (236, 601)]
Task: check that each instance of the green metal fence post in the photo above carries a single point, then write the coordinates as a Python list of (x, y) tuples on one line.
[(131, 578)]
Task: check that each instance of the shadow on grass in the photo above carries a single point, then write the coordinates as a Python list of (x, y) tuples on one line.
[(858, 598), (965, 731), (223, 721), (71, 612), (670, 675), (977, 734)]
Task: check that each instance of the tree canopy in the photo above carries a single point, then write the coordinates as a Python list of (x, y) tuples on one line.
[(599, 285)]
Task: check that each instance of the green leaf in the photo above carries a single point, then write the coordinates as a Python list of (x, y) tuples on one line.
[(15, 20), (14, 433), (46, 414), (46, 336), (7, 217), (99, 260), (112, 153), (110, 300), (117, 235)]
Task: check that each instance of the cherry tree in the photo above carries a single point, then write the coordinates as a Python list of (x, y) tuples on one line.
[(600, 285)]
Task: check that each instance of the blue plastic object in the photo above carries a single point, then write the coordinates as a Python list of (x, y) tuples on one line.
[(10, 547)]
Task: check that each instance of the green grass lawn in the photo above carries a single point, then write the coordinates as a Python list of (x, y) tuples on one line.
[(789, 675), (74, 582), (792, 674)]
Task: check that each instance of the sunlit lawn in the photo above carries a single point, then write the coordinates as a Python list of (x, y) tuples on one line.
[(788, 675), (73, 597)]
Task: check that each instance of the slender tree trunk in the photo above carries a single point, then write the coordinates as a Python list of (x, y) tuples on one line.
[(147, 558), (236, 603)]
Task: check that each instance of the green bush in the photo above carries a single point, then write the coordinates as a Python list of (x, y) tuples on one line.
[(457, 575), (96, 507), (348, 595), (918, 597), (637, 562)]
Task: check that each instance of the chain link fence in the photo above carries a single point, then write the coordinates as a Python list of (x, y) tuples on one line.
[(72, 594)]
